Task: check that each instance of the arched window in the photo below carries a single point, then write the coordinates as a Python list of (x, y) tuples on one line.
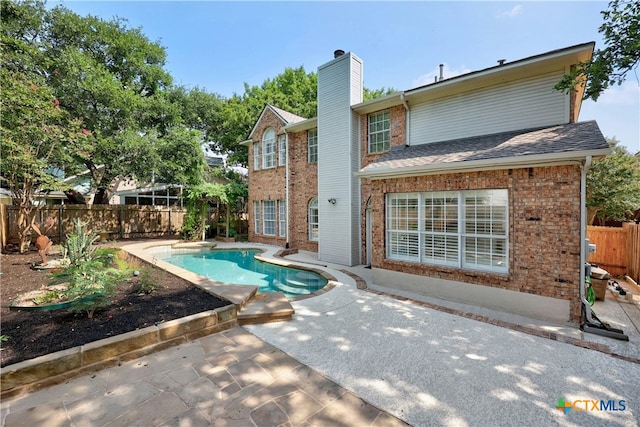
[(269, 149), (313, 220)]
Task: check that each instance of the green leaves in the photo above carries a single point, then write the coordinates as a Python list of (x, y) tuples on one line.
[(613, 186), (609, 66)]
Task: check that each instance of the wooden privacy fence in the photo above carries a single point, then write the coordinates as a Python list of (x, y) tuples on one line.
[(617, 249), (118, 221)]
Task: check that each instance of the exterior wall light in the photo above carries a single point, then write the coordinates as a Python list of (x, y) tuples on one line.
[(332, 201)]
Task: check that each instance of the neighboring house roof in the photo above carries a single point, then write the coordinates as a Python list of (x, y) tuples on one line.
[(555, 144), (285, 116), (214, 161)]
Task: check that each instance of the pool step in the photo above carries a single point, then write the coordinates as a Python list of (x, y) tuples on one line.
[(265, 308), (292, 287)]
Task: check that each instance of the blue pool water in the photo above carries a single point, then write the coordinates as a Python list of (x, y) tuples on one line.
[(239, 267)]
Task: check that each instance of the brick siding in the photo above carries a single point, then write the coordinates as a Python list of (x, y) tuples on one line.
[(266, 184), (544, 214)]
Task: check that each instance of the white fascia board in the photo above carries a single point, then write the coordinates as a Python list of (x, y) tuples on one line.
[(301, 126), (378, 104), (484, 165), (264, 110), (246, 142)]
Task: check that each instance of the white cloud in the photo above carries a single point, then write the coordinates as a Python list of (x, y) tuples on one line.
[(628, 93), (514, 11), (428, 78)]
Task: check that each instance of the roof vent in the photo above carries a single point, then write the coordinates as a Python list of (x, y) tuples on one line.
[(337, 53), (501, 61)]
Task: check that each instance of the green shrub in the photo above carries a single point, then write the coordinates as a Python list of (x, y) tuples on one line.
[(91, 284), (79, 245)]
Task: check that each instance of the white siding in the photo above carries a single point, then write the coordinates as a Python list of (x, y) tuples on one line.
[(339, 87), (511, 106)]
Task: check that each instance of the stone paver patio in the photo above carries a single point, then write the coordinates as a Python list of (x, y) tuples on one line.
[(227, 379)]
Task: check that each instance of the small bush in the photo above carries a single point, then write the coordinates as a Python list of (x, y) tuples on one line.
[(79, 245)]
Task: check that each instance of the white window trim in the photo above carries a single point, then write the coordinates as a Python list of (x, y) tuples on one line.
[(410, 233), (282, 218), (256, 156), (269, 149), (380, 118), (282, 150), (269, 217), (256, 217), (313, 204), (312, 142)]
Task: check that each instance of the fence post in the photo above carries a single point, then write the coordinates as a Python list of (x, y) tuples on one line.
[(633, 250), (60, 223), (121, 222), (4, 221)]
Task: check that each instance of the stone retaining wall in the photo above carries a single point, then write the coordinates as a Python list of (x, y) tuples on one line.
[(54, 368)]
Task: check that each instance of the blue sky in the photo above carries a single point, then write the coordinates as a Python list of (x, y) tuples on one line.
[(219, 46)]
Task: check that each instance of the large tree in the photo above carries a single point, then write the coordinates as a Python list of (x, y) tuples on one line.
[(112, 78), (610, 65), (294, 90), (39, 137), (613, 186)]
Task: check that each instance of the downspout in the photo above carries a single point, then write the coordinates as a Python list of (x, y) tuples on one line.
[(286, 187), (583, 227), (406, 119)]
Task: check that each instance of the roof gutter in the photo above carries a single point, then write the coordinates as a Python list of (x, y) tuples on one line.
[(553, 159)]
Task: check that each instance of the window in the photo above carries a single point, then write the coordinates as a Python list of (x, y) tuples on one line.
[(379, 135), (269, 215), (282, 216), (269, 149), (466, 229), (282, 150), (312, 143), (313, 219), (256, 217), (256, 156)]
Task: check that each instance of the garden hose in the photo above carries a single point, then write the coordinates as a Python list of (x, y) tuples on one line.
[(591, 294)]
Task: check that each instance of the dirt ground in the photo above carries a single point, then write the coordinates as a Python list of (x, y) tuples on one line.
[(32, 334)]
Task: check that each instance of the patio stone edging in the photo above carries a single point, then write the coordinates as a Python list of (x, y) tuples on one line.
[(54, 368)]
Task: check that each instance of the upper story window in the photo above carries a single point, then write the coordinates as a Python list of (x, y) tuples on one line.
[(282, 150), (379, 134), (256, 156), (312, 143), (269, 149)]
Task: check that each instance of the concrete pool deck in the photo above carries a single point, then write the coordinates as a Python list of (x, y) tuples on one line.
[(356, 357)]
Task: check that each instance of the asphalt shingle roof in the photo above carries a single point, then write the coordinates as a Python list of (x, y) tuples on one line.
[(287, 116), (582, 136)]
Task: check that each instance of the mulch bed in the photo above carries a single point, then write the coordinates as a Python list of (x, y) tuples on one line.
[(33, 334)]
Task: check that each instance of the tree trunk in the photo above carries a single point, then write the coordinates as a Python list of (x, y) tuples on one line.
[(591, 215), (101, 197)]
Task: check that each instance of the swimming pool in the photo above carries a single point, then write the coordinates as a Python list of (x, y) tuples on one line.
[(239, 267)]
